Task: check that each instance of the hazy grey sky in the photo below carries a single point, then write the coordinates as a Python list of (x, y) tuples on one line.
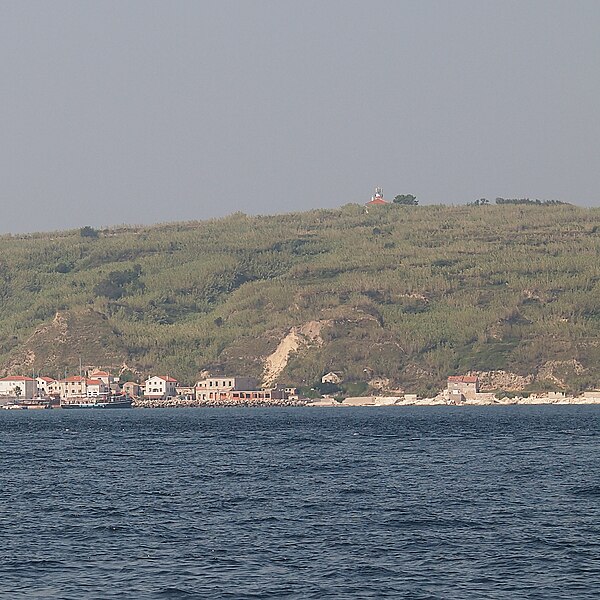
[(145, 111)]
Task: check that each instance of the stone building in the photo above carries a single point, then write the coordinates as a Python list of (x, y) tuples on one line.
[(463, 387)]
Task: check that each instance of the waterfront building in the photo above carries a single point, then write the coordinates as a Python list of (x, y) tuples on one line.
[(44, 386), (96, 387), (160, 387), (185, 392), (208, 389), (463, 387), (130, 388), (79, 386), (17, 386), (247, 396)]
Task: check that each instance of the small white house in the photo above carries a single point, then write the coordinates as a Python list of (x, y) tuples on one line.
[(17, 386), (160, 387), (95, 388), (44, 386), (332, 377)]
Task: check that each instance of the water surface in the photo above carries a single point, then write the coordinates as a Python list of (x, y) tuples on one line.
[(419, 503)]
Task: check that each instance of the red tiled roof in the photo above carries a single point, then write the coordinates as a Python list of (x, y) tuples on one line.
[(17, 378), (94, 382), (74, 379), (46, 379), (167, 378), (463, 379), (377, 201), (100, 374)]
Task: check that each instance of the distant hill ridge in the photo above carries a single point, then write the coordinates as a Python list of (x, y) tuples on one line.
[(401, 297)]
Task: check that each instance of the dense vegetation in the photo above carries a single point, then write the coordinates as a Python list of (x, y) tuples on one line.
[(409, 293)]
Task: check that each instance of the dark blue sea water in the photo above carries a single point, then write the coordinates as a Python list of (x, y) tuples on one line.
[(419, 503)]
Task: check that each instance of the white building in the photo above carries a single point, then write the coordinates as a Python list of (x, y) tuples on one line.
[(44, 386), (208, 388), (17, 386), (95, 388), (160, 387), (332, 377)]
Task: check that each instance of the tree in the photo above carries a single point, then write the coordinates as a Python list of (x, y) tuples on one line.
[(63, 267), (119, 283), (406, 200), (88, 232)]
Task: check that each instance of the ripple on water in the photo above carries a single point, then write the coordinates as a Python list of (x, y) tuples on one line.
[(495, 503)]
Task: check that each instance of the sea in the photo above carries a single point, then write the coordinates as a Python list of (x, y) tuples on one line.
[(419, 503)]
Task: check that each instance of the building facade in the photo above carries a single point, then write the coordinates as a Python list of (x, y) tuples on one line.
[(81, 387), (160, 387), (105, 377), (17, 386), (463, 386), (130, 388), (44, 386), (208, 389)]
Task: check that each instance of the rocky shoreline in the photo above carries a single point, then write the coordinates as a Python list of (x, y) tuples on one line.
[(484, 400), (443, 400)]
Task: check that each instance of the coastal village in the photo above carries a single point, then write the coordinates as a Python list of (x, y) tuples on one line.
[(101, 389), (98, 388)]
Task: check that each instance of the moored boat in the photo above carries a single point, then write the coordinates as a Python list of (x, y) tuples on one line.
[(112, 401)]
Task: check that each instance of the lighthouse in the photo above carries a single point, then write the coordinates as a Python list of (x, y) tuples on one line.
[(377, 197)]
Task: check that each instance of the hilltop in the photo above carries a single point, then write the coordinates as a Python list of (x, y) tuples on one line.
[(398, 298)]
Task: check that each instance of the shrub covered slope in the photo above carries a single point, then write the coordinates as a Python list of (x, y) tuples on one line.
[(409, 294)]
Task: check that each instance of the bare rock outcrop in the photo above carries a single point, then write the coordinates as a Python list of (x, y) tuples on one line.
[(555, 370), (298, 338), (502, 380)]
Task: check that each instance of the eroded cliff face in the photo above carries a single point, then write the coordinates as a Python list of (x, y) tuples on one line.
[(296, 340)]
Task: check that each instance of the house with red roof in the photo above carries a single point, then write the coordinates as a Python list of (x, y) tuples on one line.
[(95, 388), (160, 387), (79, 386), (104, 376), (463, 387), (377, 198), (17, 386)]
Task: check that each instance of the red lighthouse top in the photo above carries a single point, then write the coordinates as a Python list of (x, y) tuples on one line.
[(377, 197)]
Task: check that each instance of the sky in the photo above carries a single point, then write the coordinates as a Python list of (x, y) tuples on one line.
[(148, 111)]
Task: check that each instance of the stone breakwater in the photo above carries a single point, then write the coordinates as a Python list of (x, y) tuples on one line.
[(183, 403), (482, 400)]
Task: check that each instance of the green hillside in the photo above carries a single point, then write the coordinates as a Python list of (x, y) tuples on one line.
[(405, 294)]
